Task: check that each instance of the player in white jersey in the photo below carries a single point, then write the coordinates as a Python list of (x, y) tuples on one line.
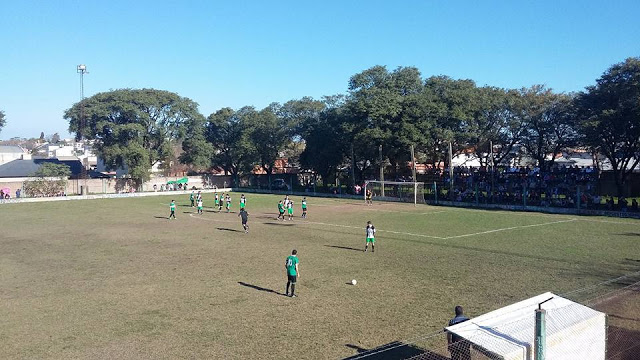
[(371, 236)]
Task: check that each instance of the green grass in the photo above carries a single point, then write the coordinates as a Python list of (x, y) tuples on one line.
[(116, 279)]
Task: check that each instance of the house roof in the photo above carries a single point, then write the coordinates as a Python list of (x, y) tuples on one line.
[(11, 149), (26, 168)]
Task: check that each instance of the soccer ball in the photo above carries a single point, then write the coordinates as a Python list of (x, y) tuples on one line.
[(353, 282)]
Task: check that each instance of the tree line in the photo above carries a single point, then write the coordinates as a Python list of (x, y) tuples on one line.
[(395, 109)]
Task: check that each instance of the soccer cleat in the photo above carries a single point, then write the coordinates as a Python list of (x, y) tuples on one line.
[(293, 296)]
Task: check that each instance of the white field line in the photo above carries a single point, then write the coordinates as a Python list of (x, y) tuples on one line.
[(610, 222), (509, 228), (362, 228)]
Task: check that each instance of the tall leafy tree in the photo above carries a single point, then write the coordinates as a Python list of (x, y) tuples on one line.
[(3, 121), (197, 151), (610, 118), (229, 133), (549, 123), (132, 128), (451, 104), (269, 135), (324, 143), (495, 122), (375, 107)]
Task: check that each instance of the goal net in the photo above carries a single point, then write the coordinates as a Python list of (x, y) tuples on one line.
[(410, 192)]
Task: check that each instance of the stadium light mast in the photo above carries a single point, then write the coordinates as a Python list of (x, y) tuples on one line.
[(82, 69)]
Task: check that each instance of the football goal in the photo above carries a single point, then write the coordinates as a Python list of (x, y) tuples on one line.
[(410, 192)]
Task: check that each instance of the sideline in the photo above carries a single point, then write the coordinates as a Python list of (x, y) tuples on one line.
[(107, 196)]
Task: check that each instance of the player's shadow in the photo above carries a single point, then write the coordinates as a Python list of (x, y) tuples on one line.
[(161, 217), (256, 287), (343, 247), (227, 229), (279, 224), (630, 234), (392, 350)]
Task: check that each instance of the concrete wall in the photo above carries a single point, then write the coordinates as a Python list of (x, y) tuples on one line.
[(116, 186)]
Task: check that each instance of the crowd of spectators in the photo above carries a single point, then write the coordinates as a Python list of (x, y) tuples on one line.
[(560, 186)]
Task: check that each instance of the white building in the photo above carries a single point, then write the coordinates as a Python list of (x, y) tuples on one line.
[(9, 153)]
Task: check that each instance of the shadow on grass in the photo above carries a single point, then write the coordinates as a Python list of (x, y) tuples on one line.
[(624, 318), (260, 288), (227, 229), (392, 350), (629, 234), (343, 247), (622, 344), (279, 224), (161, 217)]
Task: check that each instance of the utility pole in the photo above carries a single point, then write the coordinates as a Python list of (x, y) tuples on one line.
[(381, 171), (493, 165), (353, 168), (82, 69), (450, 172), (413, 163)]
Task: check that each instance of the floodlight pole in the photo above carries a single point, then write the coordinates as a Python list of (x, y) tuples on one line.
[(82, 69), (415, 183), (492, 168), (381, 171), (450, 172)]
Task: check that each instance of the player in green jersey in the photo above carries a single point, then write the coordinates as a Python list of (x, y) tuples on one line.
[(293, 272), (221, 201), (304, 207), (280, 210), (216, 200), (192, 198), (172, 207)]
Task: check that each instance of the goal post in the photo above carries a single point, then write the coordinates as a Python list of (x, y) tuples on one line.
[(409, 192)]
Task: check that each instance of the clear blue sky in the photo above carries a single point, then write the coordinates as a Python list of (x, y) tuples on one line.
[(236, 53)]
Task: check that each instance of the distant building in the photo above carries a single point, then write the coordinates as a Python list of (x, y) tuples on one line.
[(9, 153)]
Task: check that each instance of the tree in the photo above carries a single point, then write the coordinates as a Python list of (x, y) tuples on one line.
[(3, 121), (609, 115), (132, 128), (197, 151), (324, 143), (55, 138), (549, 123), (228, 131), (269, 135), (450, 106), (495, 122), (374, 112), (52, 180)]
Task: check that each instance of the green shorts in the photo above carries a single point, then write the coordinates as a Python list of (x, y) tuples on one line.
[(199, 207), (217, 202), (371, 240), (290, 211), (242, 205)]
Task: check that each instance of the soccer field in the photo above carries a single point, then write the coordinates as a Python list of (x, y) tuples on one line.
[(115, 278)]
